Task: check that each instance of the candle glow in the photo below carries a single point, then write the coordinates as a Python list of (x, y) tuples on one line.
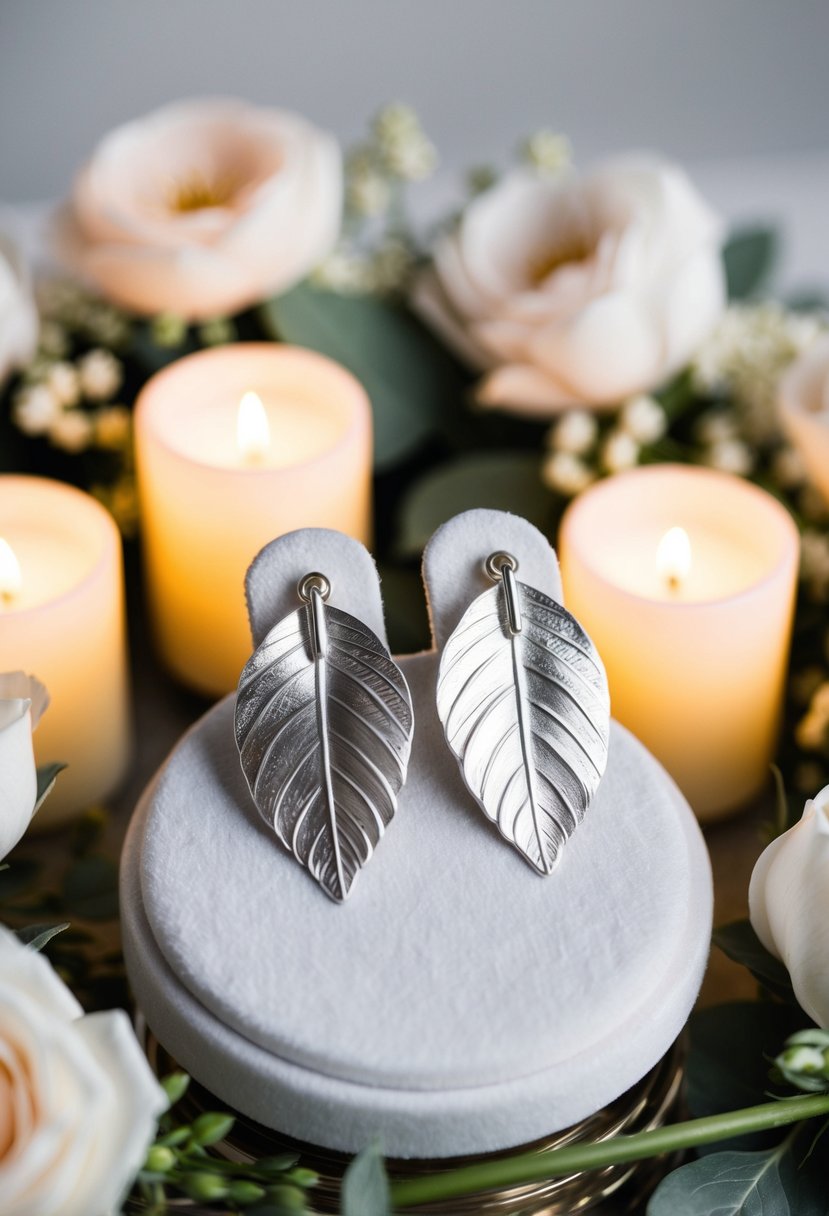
[(11, 577), (253, 435), (674, 558)]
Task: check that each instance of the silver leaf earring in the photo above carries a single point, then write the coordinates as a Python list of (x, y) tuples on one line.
[(523, 698), (324, 729)]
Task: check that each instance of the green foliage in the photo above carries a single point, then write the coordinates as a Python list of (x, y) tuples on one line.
[(750, 257), (38, 936), (777, 1182), (739, 941), (180, 1163), (46, 777), (365, 1190), (505, 481), (410, 377), (728, 1062)]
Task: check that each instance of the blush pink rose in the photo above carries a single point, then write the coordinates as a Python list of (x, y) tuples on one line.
[(577, 291), (203, 208)]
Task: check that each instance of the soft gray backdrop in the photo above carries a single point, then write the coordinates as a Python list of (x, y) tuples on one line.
[(696, 78)]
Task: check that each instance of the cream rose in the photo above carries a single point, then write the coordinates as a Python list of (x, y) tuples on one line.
[(23, 700), (578, 291), (804, 410), (18, 313), (203, 208), (789, 905), (78, 1102)]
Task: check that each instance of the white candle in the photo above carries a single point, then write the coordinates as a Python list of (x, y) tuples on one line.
[(685, 578), (62, 619), (235, 446)]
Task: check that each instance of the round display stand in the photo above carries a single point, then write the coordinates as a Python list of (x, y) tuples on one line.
[(458, 1002)]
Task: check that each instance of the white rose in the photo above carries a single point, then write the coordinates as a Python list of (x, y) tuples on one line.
[(78, 1102), (23, 700), (803, 400), (578, 291), (18, 312), (203, 208), (789, 905)]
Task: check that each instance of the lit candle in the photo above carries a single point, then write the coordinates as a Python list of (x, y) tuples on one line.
[(235, 446), (62, 619), (685, 579)]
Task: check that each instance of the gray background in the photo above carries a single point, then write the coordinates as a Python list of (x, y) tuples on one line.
[(699, 79)]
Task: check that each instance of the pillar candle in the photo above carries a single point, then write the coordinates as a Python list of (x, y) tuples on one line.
[(62, 620), (235, 446), (685, 578)]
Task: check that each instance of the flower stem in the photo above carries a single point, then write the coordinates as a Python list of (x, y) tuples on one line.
[(536, 1167)]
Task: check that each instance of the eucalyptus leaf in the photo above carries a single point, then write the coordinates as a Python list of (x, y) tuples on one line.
[(90, 889), (46, 777), (772, 1183), (741, 944), (750, 257), (411, 378), (505, 481), (731, 1047), (365, 1189), (38, 936)]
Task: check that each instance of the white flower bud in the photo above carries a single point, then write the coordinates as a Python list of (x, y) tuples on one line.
[(548, 152), (100, 375), (64, 383), (576, 432), (566, 474), (72, 431), (620, 451), (35, 409), (644, 419), (730, 456), (789, 905)]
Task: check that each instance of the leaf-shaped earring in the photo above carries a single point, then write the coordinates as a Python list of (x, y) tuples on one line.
[(523, 698), (324, 729)]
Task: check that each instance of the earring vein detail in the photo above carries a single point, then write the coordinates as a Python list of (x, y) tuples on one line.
[(324, 728), (523, 698)]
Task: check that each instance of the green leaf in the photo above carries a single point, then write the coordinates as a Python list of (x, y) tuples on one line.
[(729, 1059), (506, 481), (46, 776), (212, 1127), (750, 257), (365, 1190), (175, 1086), (772, 1183), (38, 936), (739, 941), (90, 889), (411, 378)]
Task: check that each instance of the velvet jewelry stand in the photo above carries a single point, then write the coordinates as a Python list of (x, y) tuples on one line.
[(457, 1003)]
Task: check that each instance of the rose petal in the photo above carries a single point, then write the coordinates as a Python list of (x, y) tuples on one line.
[(608, 352), (18, 775), (692, 307), (523, 390), (431, 302)]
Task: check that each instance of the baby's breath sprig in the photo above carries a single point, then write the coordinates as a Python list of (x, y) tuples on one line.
[(180, 1164)]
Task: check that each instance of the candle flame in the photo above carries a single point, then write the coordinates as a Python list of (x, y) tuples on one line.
[(253, 435), (674, 558), (11, 577)]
